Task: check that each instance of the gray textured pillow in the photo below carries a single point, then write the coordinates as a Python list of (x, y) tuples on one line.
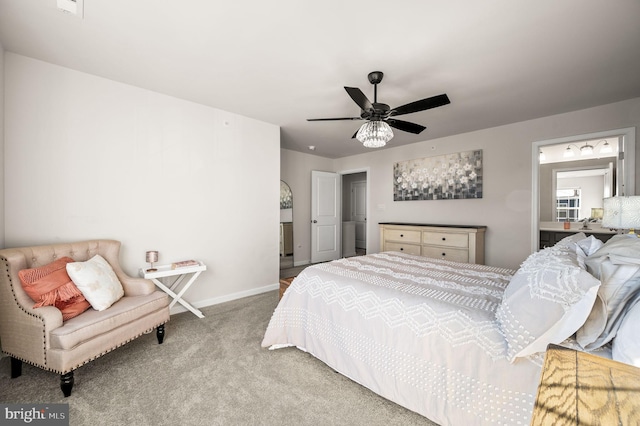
[(626, 345), (546, 301), (617, 265)]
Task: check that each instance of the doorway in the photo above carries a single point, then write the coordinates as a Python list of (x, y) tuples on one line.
[(286, 226), (354, 213), (338, 214), (542, 172)]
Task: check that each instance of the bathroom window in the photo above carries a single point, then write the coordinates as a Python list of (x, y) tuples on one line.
[(567, 205)]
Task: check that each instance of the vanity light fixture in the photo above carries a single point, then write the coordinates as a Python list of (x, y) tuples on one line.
[(588, 149), (606, 148)]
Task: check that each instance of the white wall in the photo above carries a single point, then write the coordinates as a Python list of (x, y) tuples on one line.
[(506, 204), (91, 158), (2, 225)]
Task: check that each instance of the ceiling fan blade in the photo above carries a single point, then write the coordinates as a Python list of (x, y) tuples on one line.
[(359, 98), (333, 119), (405, 126), (421, 105)]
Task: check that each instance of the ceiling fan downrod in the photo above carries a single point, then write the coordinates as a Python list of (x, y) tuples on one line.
[(375, 77)]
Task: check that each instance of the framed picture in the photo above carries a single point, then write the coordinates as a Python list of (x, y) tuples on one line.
[(445, 177)]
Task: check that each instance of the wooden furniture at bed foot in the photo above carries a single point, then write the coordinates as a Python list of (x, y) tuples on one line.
[(284, 285), (577, 388), (459, 243)]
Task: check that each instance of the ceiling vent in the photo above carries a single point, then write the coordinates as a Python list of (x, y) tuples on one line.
[(74, 7)]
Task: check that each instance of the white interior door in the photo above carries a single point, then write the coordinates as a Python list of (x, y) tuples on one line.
[(325, 216), (359, 212)]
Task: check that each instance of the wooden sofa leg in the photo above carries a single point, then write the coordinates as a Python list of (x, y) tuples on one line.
[(160, 333), (16, 368), (66, 383)]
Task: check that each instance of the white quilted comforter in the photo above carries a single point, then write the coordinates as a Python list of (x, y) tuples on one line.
[(420, 332)]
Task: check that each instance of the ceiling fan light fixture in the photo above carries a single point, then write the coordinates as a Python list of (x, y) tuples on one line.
[(374, 134)]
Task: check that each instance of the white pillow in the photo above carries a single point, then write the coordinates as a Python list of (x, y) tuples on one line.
[(97, 282), (546, 301), (573, 238), (590, 245), (626, 345), (585, 248), (617, 265)]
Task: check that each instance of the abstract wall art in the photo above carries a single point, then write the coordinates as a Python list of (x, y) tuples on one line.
[(445, 177)]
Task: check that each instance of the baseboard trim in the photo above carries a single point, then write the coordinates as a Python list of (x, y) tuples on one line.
[(226, 298)]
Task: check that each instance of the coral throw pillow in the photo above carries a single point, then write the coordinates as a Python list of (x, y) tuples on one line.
[(50, 285)]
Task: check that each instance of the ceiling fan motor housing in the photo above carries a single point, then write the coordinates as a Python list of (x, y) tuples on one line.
[(375, 77)]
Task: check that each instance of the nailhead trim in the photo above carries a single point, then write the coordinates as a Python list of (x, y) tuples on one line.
[(15, 299)]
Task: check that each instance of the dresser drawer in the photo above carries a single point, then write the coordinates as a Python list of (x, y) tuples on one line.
[(455, 255), (444, 239), (404, 248), (402, 235), (455, 243)]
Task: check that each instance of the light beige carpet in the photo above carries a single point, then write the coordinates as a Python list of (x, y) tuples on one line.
[(209, 371)]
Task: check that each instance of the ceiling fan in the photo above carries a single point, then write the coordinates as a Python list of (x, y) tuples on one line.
[(379, 116)]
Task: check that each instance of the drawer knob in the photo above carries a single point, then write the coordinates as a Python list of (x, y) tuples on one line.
[(444, 238), (401, 235), (444, 254), (401, 248)]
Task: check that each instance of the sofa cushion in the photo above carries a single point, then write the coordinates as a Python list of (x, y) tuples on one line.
[(50, 285), (94, 323), (97, 282)]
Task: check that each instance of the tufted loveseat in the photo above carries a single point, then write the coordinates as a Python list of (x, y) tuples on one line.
[(39, 336)]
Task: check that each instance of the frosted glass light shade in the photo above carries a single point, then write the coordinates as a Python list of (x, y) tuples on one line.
[(606, 148), (374, 134), (568, 152), (621, 212), (586, 149)]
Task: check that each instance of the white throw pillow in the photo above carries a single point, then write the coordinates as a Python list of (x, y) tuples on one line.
[(97, 282), (590, 245), (617, 265), (546, 301), (626, 345)]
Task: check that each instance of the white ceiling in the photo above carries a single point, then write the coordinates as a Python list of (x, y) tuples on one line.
[(283, 61)]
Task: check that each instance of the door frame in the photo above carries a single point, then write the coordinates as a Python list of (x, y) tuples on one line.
[(366, 170), (625, 178)]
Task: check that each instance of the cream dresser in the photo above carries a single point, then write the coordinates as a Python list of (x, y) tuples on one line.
[(452, 242)]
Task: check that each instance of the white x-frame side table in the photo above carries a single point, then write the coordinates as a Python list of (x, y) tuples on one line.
[(180, 274)]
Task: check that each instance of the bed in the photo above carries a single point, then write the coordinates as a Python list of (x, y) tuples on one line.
[(458, 343)]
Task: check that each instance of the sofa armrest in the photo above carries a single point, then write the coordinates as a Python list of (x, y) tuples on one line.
[(24, 330), (110, 250), (136, 286)]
